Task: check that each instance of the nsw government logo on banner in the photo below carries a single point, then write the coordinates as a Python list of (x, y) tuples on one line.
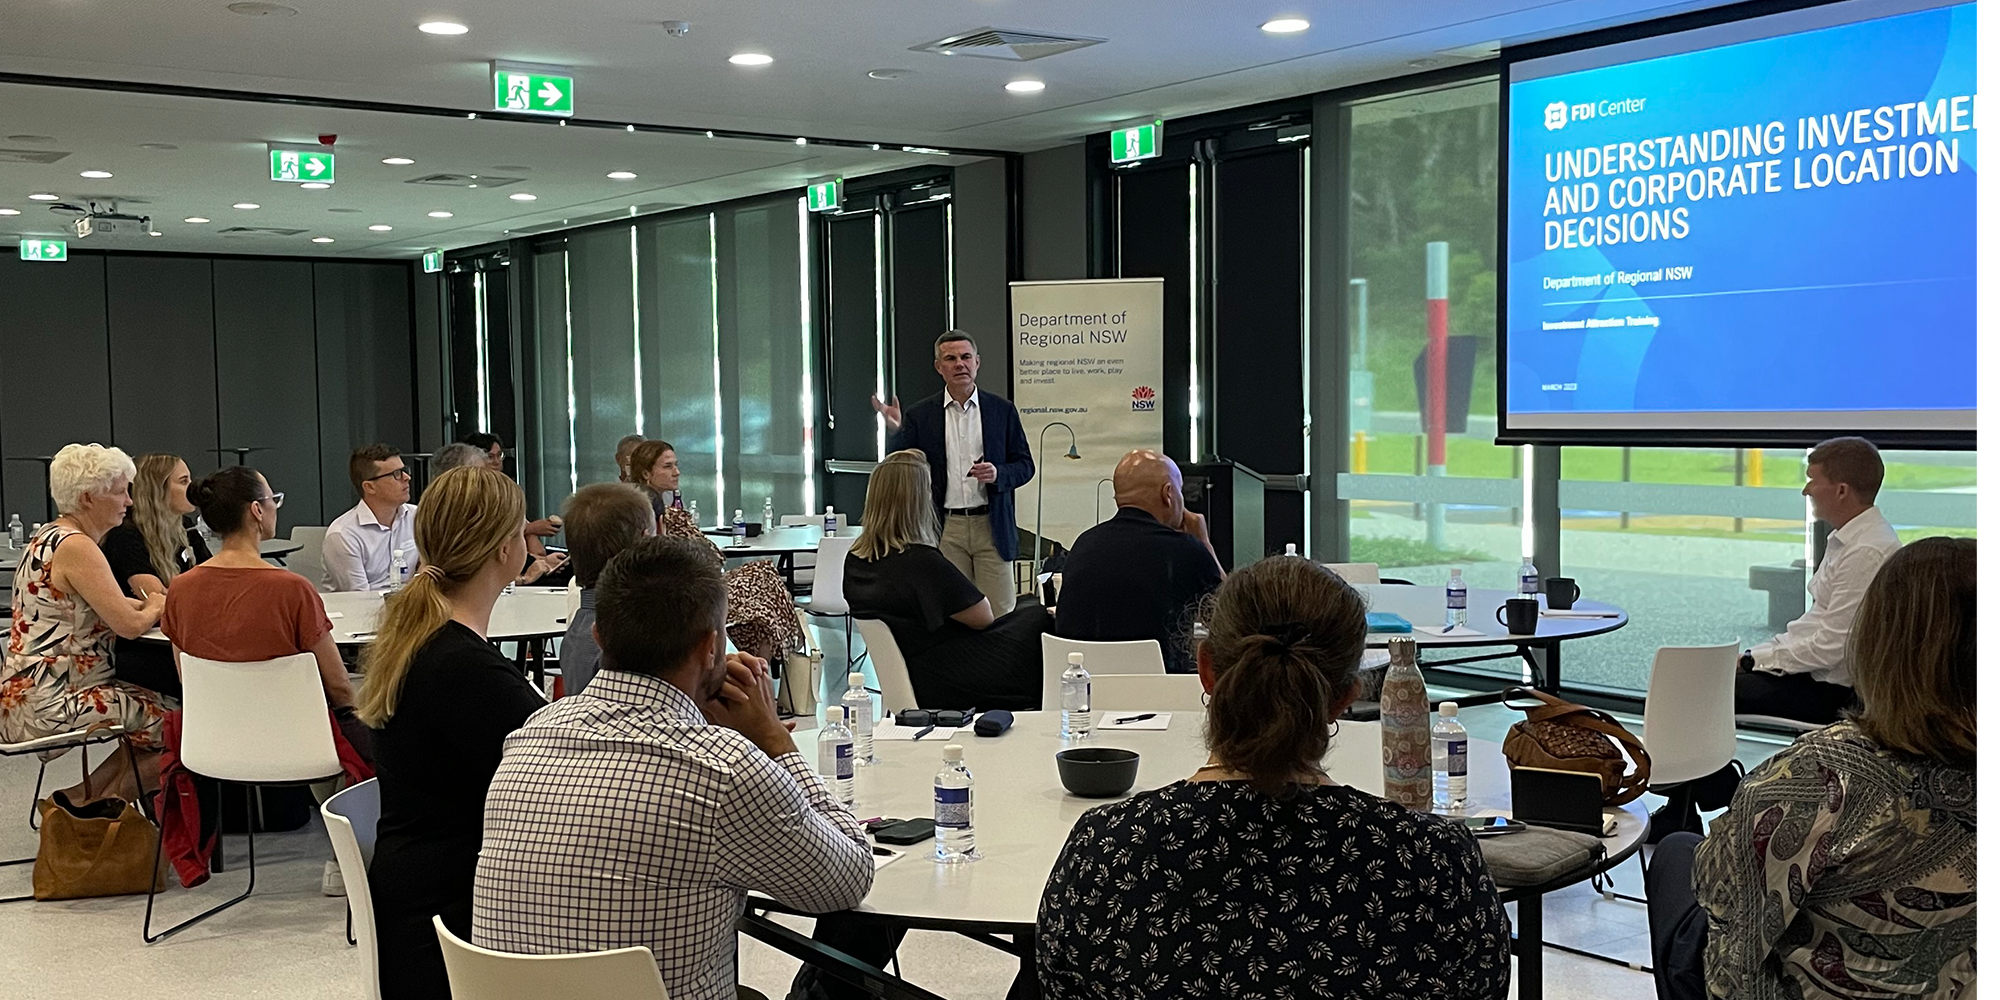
[(1143, 398)]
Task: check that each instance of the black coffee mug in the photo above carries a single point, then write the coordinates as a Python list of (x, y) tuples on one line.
[(1518, 614), (1562, 592)]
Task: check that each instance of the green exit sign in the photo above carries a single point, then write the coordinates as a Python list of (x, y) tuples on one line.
[(1140, 142), (50, 250), (433, 261), (533, 90), (301, 165), (823, 196)]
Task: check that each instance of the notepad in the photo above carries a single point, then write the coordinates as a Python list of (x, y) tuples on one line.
[(336, 614), (1383, 621), (884, 856), (1456, 633), (1567, 613)]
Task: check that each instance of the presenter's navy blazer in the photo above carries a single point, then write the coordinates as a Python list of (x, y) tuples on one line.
[(1006, 448)]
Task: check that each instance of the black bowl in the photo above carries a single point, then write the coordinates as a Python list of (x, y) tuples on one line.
[(1097, 772)]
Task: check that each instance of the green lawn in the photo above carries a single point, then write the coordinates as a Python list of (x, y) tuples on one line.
[(1397, 454)]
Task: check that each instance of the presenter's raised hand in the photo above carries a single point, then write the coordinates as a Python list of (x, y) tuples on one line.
[(891, 411)]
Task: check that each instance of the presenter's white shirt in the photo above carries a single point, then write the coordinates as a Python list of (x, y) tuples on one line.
[(964, 444), (1816, 643), (358, 551)]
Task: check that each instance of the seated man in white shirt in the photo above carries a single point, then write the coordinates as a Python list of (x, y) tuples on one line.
[(360, 547), (1802, 673), (643, 809)]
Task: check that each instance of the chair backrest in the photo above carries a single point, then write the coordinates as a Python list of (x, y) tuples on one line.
[(1146, 693), (1356, 572), (477, 973), (1691, 711), (261, 721), (892, 673), (351, 817), (830, 574), (310, 560), (795, 520), (1140, 656)]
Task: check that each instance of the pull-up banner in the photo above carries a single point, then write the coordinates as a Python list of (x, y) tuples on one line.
[(1086, 355)]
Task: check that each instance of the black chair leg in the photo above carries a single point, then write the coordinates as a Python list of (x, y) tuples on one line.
[(34, 812), (250, 832)]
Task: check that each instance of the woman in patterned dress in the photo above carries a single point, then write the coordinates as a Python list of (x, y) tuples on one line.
[(57, 676), (1257, 875), (761, 620)]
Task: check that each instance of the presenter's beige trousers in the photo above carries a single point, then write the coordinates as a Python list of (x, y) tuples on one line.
[(968, 543)]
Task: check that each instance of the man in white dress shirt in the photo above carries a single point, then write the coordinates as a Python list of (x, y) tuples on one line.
[(359, 551), (1802, 674)]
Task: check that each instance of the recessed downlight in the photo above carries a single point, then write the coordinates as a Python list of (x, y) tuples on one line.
[(1286, 25), (440, 215), (246, 205), (1025, 86), (379, 228), (522, 196), (10, 211), (800, 141), (398, 161), (43, 196), (314, 186), (622, 175), (195, 220), (96, 175), (750, 59), (442, 28), (322, 239)]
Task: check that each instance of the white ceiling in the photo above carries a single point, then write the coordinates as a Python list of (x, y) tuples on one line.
[(1163, 57)]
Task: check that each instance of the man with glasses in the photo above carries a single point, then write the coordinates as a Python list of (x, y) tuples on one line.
[(360, 547)]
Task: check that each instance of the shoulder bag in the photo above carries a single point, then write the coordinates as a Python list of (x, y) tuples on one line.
[(1563, 736)]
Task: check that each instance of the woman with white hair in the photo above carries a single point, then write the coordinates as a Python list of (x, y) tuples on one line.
[(56, 676)]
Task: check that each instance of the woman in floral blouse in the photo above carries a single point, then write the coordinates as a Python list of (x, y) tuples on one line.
[(1258, 875), (1844, 867)]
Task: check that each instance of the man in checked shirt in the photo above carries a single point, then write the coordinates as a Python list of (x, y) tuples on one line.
[(641, 811)]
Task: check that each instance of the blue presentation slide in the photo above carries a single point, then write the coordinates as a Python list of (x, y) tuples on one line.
[(1774, 233)]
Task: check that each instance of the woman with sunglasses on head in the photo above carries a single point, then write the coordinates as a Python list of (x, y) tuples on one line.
[(1258, 873), (153, 546)]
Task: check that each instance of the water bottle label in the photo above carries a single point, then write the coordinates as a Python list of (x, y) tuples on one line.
[(1454, 755), (953, 808), (1454, 599), (837, 761)]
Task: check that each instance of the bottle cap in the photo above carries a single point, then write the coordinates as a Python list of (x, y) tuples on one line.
[(1076, 658), (954, 752), (1291, 548), (855, 679), (739, 512), (829, 508), (834, 713), (1448, 709), (1456, 572)]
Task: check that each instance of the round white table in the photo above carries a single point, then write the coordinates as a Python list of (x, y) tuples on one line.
[(1424, 607), (1023, 816), (529, 613), (780, 544)]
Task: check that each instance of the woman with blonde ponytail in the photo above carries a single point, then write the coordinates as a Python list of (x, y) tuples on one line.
[(441, 699), (1258, 872)]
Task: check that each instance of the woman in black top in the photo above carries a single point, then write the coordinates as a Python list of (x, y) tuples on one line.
[(441, 699), (959, 655), (1257, 875), (154, 545)]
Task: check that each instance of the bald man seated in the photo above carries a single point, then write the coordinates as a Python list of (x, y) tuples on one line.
[(1141, 574)]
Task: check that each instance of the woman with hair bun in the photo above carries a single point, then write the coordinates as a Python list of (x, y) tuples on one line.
[(1258, 873)]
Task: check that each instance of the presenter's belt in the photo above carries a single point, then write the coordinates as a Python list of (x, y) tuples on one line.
[(979, 511)]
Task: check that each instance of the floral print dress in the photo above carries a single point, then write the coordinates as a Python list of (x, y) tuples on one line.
[(56, 676), (761, 615)]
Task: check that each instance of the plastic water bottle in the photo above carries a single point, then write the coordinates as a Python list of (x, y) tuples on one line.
[(770, 518), (399, 570), (1291, 548), (951, 809), (836, 755), (1530, 577), (860, 706), (1075, 699), (1448, 760), (739, 533), (677, 500), (1406, 730), (1454, 600), (694, 511), (17, 536), (832, 522)]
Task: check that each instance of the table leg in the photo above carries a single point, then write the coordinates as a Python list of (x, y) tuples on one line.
[(1026, 985), (1528, 948), (1552, 668)]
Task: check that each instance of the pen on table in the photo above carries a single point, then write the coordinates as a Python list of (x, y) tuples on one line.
[(1447, 628), (921, 733), (1135, 718)]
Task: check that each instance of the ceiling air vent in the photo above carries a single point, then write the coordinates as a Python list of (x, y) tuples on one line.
[(30, 155), (259, 231), (1006, 43), (464, 180)]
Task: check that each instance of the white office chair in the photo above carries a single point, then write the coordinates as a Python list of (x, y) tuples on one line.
[(1139, 656), (829, 600), (805, 567), (477, 973), (1146, 693), (892, 672), (1690, 712), (262, 723), (351, 817), (1356, 572), (310, 560)]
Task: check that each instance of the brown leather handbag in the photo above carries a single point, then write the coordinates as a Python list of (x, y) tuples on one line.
[(1563, 736), (102, 847)]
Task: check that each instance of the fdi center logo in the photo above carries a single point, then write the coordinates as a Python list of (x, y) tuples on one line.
[(1555, 116), (1142, 398)]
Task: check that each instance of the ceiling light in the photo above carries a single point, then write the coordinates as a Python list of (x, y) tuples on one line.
[(322, 239), (1025, 86), (96, 175), (154, 232), (398, 161), (622, 175), (194, 220), (522, 196), (246, 205), (314, 186), (440, 215), (800, 141), (750, 59), (887, 74), (379, 228), (42, 197), (709, 133), (1286, 25), (442, 28), (10, 211)]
